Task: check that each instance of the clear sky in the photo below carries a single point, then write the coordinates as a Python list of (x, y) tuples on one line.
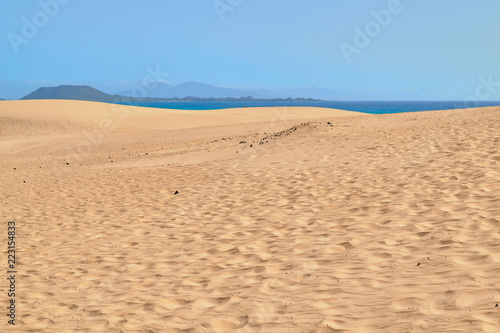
[(441, 46)]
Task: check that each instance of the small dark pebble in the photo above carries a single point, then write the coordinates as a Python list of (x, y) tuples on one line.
[(176, 192), (251, 145), (24, 181), (243, 142), (496, 305), (67, 163), (14, 168), (418, 264), (146, 154)]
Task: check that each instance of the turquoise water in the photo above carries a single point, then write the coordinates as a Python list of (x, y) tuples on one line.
[(375, 107)]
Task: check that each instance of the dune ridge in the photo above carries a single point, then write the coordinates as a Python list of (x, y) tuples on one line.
[(295, 220), (41, 116)]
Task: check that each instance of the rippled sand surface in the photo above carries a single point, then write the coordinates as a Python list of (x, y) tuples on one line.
[(285, 219)]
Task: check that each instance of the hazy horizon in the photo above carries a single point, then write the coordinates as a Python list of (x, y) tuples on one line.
[(185, 89)]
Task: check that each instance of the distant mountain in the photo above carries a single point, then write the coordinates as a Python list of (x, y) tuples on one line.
[(82, 93), (202, 90), (195, 89), (320, 93), (86, 93)]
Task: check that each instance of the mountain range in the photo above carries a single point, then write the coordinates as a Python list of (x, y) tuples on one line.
[(87, 93), (196, 91)]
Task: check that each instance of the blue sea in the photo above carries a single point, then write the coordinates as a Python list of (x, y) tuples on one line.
[(374, 107)]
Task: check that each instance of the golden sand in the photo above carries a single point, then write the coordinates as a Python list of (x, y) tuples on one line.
[(285, 220)]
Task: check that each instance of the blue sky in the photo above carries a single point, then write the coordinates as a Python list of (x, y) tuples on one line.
[(441, 46)]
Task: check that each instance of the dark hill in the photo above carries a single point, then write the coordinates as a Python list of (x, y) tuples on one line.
[(82, 93)]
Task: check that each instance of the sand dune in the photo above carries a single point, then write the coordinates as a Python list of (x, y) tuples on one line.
[(42, 116), (285, 220)]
